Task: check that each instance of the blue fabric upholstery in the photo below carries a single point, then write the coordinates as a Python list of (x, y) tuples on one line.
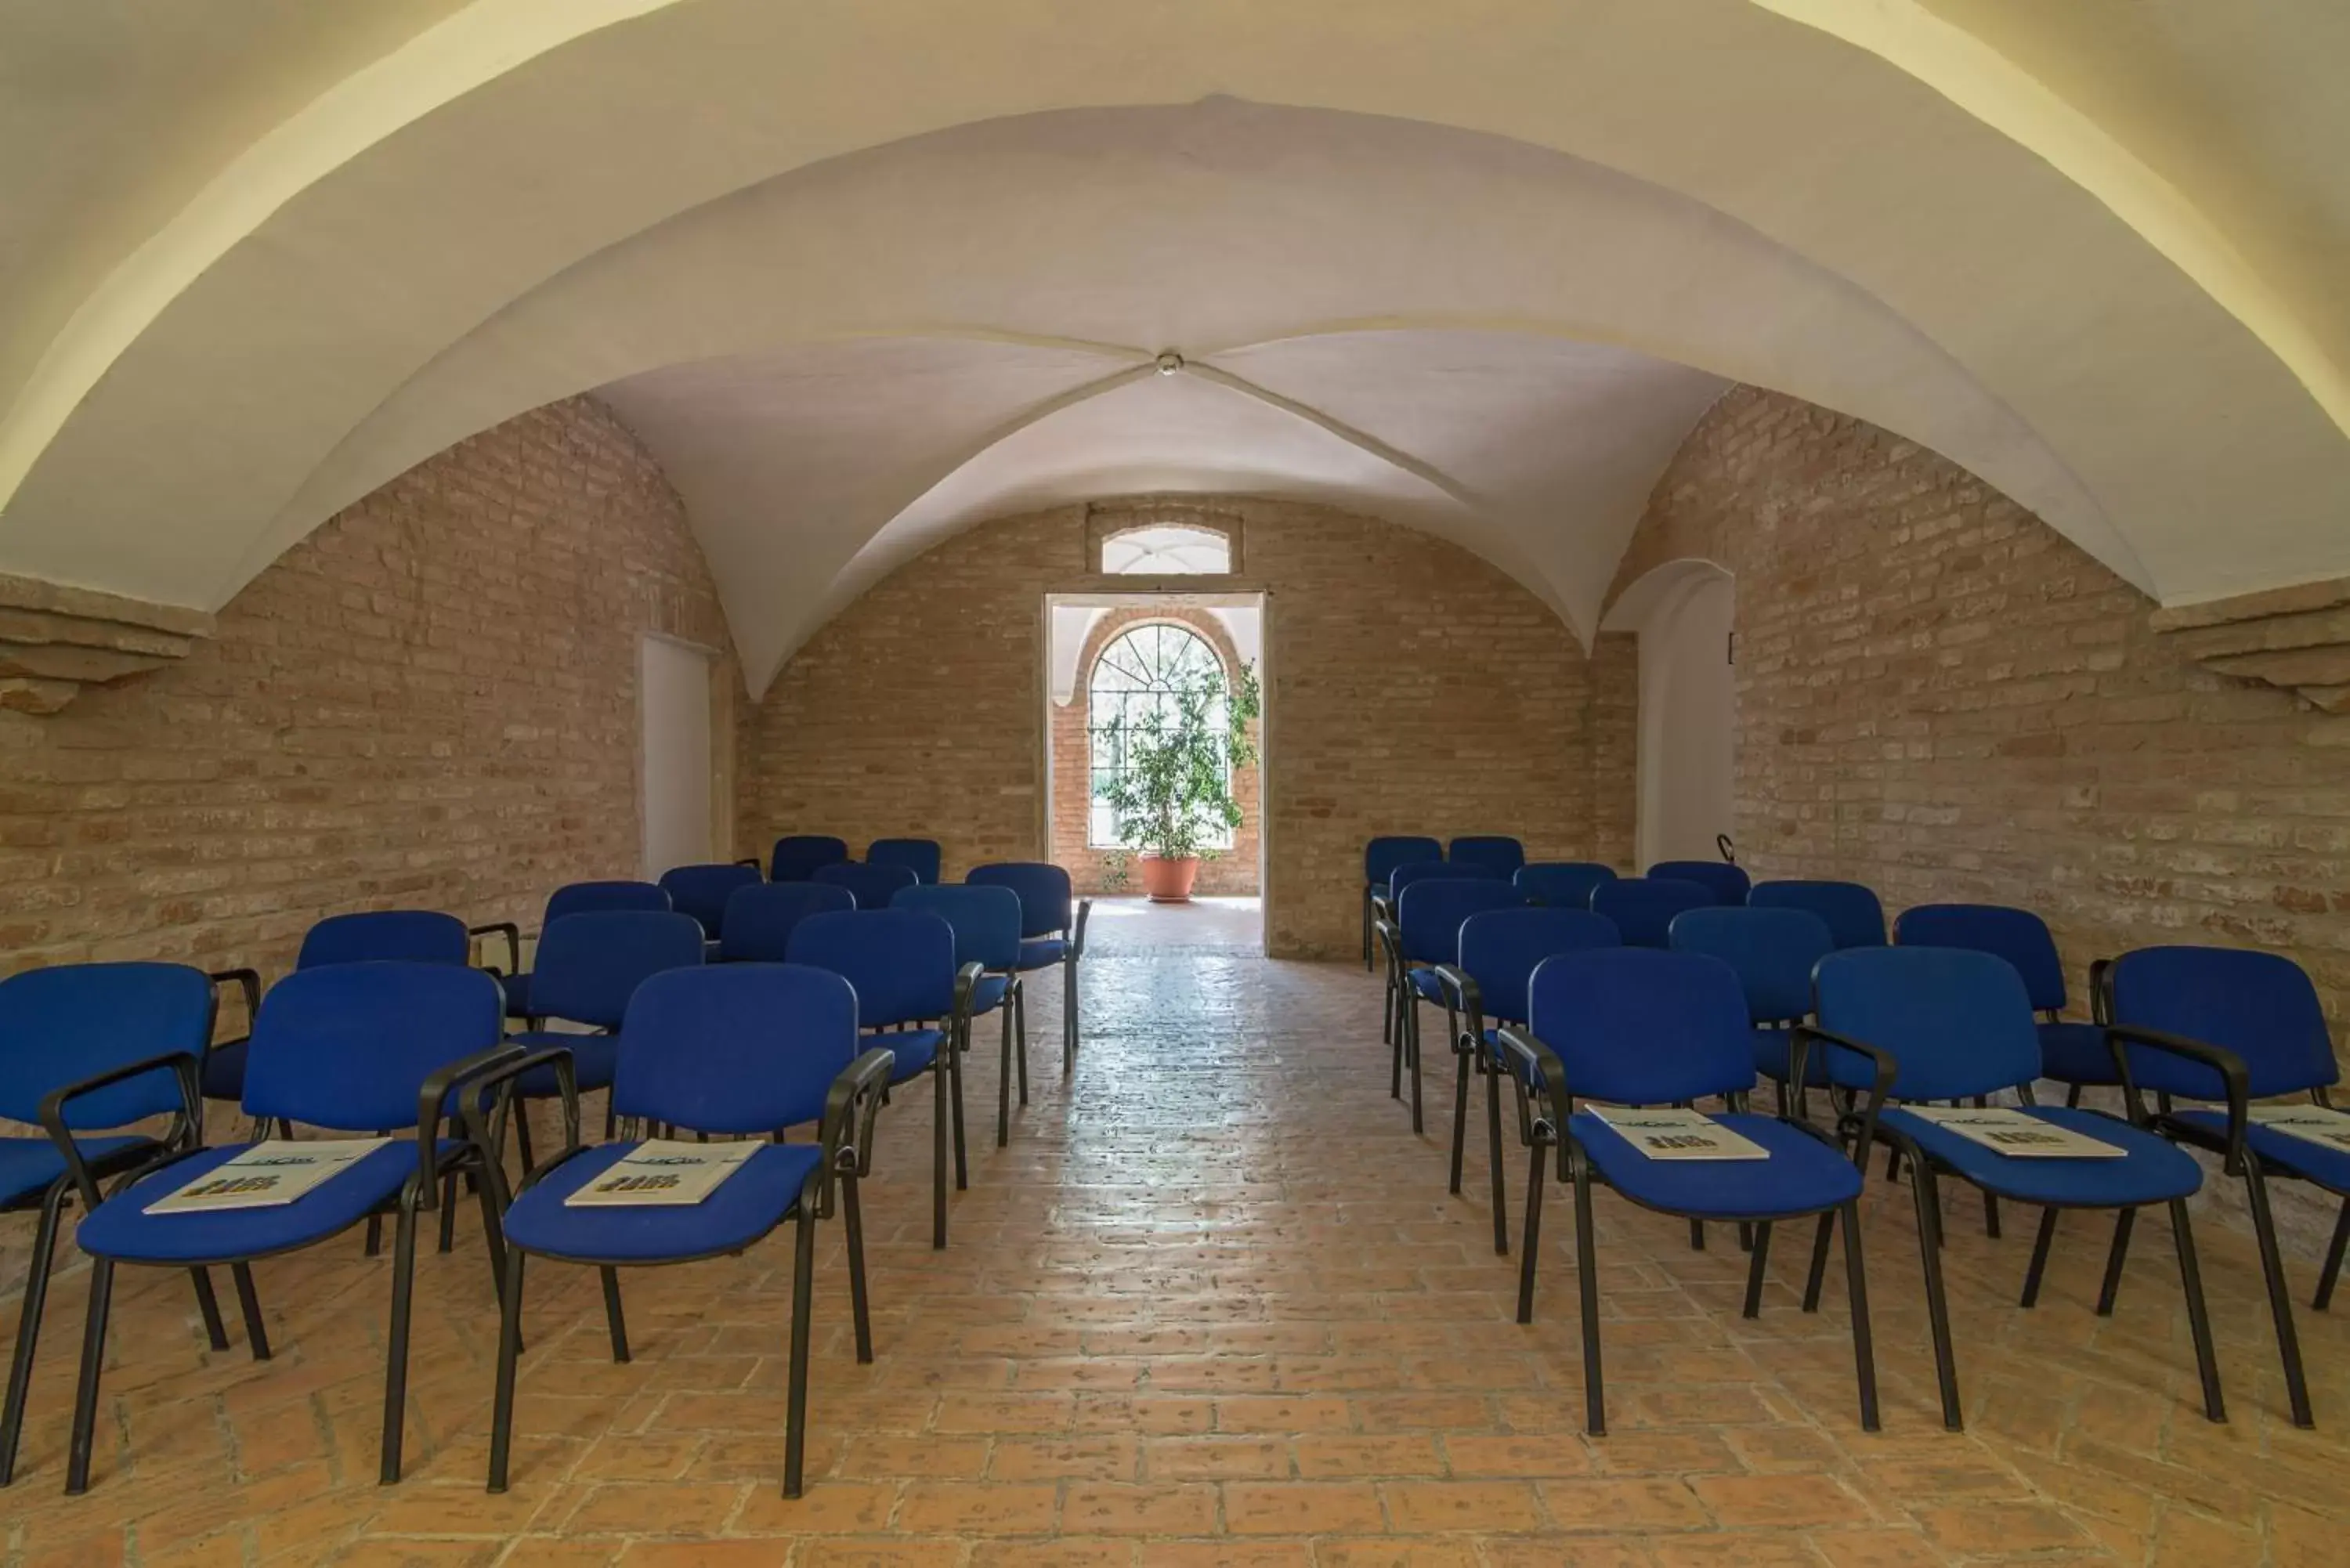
[(797, 856), (737, 1048), (1500, 948), (989, 993), (1498, 852), (760, 918), (1851, 910), (2019, 936), (2155, 1170), (118, 1229), (28, 1165), (1404, 876), (745, 1207), (223, 1078), (347, 1047), (871, 886), (1042, 953), (1773, 950), (2073, 1053), (1382, 855), (1643, 906), (986, 921), (702, 891), (1424, 982), (1802, 1175), (1430, 913), (70, 1022), (589, 965), (517, 988), (2329, 1168), (593, 1058), (919, 856), (1957, 1022), (1562, 884), (1047, 904), (1774, 1051), (2258, 1005), (1643, 1027), (1725, 883), (408, 936), (915, 1049), (901, 962), (592, 898)]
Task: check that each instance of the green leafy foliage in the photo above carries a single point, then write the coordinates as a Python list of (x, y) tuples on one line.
[(1176, 789)]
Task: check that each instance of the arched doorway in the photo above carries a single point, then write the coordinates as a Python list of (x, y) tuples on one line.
[(1683, 612)]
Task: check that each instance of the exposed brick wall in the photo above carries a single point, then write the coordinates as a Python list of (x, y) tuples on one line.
[(921, 707), (1233, 871)]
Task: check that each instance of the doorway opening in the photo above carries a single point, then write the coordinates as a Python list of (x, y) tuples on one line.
[(1684, 614), (674, 691)]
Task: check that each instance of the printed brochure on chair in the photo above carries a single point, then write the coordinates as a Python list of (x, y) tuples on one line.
[(668, 1172), (267, 1175), (1678, 1134), (2003, 1129), (2320, 1125)]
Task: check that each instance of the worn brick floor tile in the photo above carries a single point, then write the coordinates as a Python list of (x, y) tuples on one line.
[(1116, 1508), (701, 1554), (1106, 1456), (1302, 1508), (1980, 1530), (1216, 1458), (1612, 1504), (1395, 1454), (1224, 1554), (1798, 1501), (1443, 1506), (963, 1508), (1394, 1553)]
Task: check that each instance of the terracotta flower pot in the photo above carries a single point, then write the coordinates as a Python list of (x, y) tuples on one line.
[(1168, 881)]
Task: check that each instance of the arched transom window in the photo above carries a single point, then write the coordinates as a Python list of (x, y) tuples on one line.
[(1137, 676)]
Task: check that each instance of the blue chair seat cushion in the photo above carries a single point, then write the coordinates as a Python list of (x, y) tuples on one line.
[(2073, 1052), (2329, 1168), (916, 1050), (2152, 1169), (745, 1207), (1424, 982), (989, 993), (518, 989), (1802, 1175), (1041, 952), (593, 1058), (1774, 1050), (224, 1072), (27, 1165), (120, 1229)]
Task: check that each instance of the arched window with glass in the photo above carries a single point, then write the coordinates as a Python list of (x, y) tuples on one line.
[(1135, 678)]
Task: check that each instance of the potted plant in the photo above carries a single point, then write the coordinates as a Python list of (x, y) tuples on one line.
[(1175, 791)]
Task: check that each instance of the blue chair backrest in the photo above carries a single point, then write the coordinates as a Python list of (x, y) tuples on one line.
[(1643, 906), (1500, 851), (1047, 905), (760, 918), (919, 856), (589, 965), (1853, 914), (797, 856), (2258, 1005), (901, 962), (406, 936), (986, 920), (2019, 936), (1404, 876), (1500, 950), (73, 1020), (1430, 913), (702, 891), (347, 1046), (1773, 950), (871, 886), (1382, 855), (1562, 884), (1644, 1027), (1957, 1022), (738, 1048), (1728, 884), (588, 897)]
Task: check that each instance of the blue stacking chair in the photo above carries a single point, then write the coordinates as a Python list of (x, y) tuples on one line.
[(589, 966), (1725, 883), (1426, 932), (1948, 1023), (986, 922), (1772, 951), (1637, 1027), (58, 1028), (760, 918), (1497, 852), (901, 964), (1643, 907), (870, 885), (1050, 931), (702, 891), (2232, 1025), (351, 1048), (571, 898), (2071, 1052), (1385, 903), (749, 1050), (919, 856), (797, 856), (1381, 858), (1853, 916), (1499, 951), (1562, 884)]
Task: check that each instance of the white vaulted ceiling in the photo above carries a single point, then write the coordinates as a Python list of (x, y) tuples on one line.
[(863, 274)]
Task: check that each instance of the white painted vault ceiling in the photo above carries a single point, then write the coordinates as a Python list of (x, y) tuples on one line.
[(861, 274)]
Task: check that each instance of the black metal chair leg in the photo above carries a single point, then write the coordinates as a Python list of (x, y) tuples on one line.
[(509, 1349), (1411, 1050), (2199, 1318), (955, 1078), (852, 1216), (1367, 927), (208, 1305), (939, 1155), (2114, 1256), (1863, 1348), (2280, 1296), (1395, 1042), (803, 1309), (1493, 1149), (1460, 1117), (1990, 1215), (1068, 1015), (395, 1354), (1586, 1278), (29, 1325), (1696, 1235), (1756, 1267), (1004, 1082), (614, 1318), (93, 1358), (448, 1238), (1530, 1243), (2332, 1269), (1817, 1277), (248, 1302), (2072, 1096), (522, 1135), (2039, 1245), (1938, 1306), (375, 1236)]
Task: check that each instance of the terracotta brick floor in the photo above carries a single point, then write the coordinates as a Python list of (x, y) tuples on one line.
[(1212, 1306)]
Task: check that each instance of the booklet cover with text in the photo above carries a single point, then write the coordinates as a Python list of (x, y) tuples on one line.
[(668, 1172), (1671, 1134), (267, 1174), (2006, 1130), (2320, 1125)]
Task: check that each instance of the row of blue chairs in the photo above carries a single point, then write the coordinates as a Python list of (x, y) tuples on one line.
[(1489, 854)]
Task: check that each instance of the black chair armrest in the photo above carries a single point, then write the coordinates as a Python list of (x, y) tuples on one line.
[(1535, 1058), (2234, 1079), (1883, 1068), (966, 988), (513, 934), (485, 1115), (190, 1132), (248, 985), (432, 1107), (1463, 998), (1078, 935), (1390, 940), (846, 1131)]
